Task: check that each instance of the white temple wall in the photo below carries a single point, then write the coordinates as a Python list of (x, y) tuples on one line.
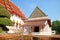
[(15, 19)]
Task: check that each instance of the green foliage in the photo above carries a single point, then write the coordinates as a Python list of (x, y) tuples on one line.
[(4, 12), (6, 21), (56, 26), (4, 17), (56, 23), (57, 29), (1, 30)]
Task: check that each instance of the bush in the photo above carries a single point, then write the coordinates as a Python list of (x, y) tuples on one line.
[(6, 21), (1, 30)]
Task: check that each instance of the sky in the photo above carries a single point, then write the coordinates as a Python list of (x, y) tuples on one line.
[(49, 7)]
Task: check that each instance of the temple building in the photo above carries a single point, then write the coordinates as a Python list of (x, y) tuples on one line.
[(17, 16), (38, 23)]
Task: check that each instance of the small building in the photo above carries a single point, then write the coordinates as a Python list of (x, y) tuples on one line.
[(37, 24)]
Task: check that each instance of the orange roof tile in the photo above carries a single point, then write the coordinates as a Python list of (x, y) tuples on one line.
[(12, 8)]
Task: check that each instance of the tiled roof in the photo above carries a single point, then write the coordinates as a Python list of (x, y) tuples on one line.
[(37, 13), (12, 8)]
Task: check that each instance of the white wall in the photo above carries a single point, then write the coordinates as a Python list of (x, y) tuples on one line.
[(47, 30), (16, 19)]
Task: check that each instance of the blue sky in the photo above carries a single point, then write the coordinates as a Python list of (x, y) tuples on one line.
[(49, 7)]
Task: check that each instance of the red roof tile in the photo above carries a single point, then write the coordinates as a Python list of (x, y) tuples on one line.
[(12, 8)]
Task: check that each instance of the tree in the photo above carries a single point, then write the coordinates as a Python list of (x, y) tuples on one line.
[(4, 19), (56, 26)]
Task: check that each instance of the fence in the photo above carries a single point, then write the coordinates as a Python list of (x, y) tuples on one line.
[(28, 37)]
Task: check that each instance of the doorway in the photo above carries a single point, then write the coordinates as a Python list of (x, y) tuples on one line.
[(36, 29)]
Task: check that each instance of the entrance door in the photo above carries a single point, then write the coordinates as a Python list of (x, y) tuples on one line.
[(36, 29)]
